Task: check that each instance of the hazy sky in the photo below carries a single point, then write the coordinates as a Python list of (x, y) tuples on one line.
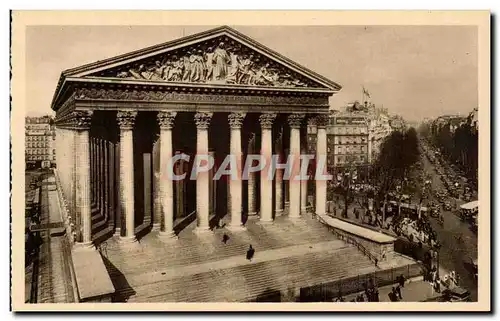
[(414, 71)]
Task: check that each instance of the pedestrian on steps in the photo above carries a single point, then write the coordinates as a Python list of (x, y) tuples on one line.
[(250, 253)]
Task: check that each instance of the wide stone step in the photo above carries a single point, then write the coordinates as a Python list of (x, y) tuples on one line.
[(248, 281)]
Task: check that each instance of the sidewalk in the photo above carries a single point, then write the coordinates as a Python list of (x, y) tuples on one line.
[(54, 278), (415, 290)]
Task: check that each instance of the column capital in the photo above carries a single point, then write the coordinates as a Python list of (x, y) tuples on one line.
[(126, 119), (82, 119), (166, 119), (267, 119), (295, 120), (202, 120), (321, 120), (236, 120)]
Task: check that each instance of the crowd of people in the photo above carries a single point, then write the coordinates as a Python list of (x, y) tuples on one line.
[(370, 294), (447, 281)]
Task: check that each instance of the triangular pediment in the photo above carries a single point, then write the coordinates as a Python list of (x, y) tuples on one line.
[(218, 56)]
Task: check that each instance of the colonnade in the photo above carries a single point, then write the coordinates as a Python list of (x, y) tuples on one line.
[(87, 168)]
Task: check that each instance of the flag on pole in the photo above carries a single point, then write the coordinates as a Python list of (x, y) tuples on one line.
[(365, 92)]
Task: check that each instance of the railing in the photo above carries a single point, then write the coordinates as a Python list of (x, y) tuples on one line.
[(351, 240), (326, 292)]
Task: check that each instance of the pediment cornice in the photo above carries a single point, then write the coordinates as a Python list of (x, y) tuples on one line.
[(219, 59)]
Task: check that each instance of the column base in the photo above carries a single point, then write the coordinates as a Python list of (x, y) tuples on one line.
[(84, 246), (199, 230), (265, 222), (127, 239), (303, 211), (294, 218), (279, 212), (170, 235), (117, 232), (236, 228), (252, 216), (156, 227)]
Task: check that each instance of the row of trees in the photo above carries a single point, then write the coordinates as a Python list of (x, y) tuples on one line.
[(458, 143), (397, 169)]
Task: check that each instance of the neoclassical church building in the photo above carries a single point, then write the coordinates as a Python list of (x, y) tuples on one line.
[(120, 120)]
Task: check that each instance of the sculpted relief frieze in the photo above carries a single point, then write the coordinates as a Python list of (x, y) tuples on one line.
[(218, 61), (162, 96)]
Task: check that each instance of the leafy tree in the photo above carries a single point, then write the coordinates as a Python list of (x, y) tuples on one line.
[(398, 160)]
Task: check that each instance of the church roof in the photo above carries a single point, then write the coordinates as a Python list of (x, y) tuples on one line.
[(239, 61)]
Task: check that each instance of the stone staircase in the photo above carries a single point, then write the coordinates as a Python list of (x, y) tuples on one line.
[(201, 268), (248, 282), (192, 249)]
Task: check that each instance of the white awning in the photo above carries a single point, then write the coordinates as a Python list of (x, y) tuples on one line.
[(470, 206)]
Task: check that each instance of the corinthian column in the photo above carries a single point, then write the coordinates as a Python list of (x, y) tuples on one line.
[(202, 121), (82, 125), (266, 187), (98, 172), (279, 201), (235, 184), (303, 183), (321, 153), (294, 120), (126, 121), (252, 182), (166, 121)]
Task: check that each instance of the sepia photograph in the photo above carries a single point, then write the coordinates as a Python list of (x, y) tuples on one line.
[(335, 160)]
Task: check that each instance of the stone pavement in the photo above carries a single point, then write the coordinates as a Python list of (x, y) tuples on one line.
[(415, 290), (54, 283)]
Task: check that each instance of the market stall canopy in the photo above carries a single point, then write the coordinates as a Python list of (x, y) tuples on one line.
[(470, 206)]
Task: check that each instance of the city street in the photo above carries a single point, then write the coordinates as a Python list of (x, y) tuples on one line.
[(459, 243)]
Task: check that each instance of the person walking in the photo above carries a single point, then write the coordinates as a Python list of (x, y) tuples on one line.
[(250, 253), (225, 238), (402, 280), (398, 291), (392, 296)]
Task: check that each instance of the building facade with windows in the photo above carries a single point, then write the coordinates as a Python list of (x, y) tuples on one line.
[(39, 142), (348, 141), (379, 128)]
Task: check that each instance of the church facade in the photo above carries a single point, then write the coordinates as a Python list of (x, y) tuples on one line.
[(120, 121)]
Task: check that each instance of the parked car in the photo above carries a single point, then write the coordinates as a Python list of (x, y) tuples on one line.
[(457, 294)]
